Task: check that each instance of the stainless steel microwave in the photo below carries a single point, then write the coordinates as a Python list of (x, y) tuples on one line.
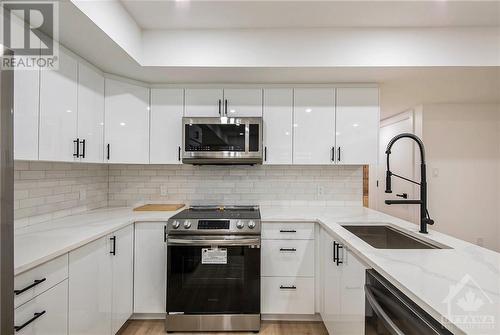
[(222, 140)]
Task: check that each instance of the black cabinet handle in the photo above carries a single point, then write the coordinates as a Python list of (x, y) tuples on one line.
[(76, 152), (338, 154), (165, 233), (336, 253), (288, 231), (220, 103), (113, 245), (293, 287), (179, 154), (108, 150), (265, 154), (333, 154), (225, 106), (35, 316), (35, 283), (83, 148), (288, 249)]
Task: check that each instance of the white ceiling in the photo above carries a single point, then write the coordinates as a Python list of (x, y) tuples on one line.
[(186, 14)]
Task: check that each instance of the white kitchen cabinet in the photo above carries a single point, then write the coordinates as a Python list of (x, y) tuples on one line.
[(314, 124), (50, 309), (26, 114), (243, 102), (287, 258), (126, 122), (150, 272), (167, 110), (203, 102), (123, 277), (58, 110), (287, 295), (278, 113), (288, 230), (90, 114), (90, 288), (357, 125), (342, 289)]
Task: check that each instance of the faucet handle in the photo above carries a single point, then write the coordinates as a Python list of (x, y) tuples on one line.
[(404, 195), (429, 221)]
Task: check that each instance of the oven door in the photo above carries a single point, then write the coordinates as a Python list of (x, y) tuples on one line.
[(214, 140), (213, 275)]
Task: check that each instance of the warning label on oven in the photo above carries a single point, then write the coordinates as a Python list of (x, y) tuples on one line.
[(213, 256)]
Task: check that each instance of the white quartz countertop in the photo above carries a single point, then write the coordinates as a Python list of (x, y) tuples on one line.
[(466, 273), (37, 244)]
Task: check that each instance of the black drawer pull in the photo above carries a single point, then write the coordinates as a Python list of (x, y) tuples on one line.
[(288, 249), (35, 316), (35, 283), (83, 149), (108, 151), (76, 152), (113, 245), (288, 287), (288, 231)]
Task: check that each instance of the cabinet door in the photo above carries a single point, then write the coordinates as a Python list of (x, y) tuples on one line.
[(202, 102), (352, 321), (123, 277), (58, 110), (26, 99), (243, 102), (127, 122), (90, 113), (357, 125), (150, 268), (331, 286), (90, 289), (53, 303), (167, 108), (314, 125), (278, 112)]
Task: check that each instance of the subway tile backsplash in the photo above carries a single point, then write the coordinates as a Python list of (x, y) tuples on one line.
[(263, 185), (47, 190)]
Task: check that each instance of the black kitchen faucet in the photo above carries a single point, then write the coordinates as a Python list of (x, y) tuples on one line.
[(424, 213)]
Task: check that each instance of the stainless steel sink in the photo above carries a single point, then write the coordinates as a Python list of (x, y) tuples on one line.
[(387, 237)]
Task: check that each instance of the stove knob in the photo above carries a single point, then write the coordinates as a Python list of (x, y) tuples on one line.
[(187, 224), (251, 224), (240, 224), (176, 224)]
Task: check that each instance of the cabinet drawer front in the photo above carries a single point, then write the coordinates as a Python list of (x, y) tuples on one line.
[(288, 230), (294, 258), (285, 295), (40, 279), (48, 313)]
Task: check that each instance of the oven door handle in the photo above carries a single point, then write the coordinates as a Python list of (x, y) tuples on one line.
[(390, 325), (245, 241)]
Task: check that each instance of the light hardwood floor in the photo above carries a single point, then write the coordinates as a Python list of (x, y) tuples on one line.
[(156, 327)]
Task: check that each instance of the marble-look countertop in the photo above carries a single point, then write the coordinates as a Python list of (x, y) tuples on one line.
[(470, 273)]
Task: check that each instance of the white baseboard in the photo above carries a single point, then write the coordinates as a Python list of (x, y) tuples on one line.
[(148, 316), (291, 317)]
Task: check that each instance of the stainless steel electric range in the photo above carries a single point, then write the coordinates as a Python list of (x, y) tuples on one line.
[(213, 269)]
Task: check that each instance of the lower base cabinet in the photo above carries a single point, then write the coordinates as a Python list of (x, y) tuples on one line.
[(287, 295), (101, 284), (46, 314), (342, 285)]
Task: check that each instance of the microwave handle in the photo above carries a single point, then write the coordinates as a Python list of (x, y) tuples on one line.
[(389, 324)]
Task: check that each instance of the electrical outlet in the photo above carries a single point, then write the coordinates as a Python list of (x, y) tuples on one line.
[(163, 190), (435, 172), (320, 191)]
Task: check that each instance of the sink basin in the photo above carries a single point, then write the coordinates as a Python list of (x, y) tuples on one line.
[(387, 237)]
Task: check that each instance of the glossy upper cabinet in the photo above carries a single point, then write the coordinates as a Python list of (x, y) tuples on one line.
[(126, 122), (243, 102), (167, 107), (357, 125), (314, 125), (26, 99), (204, 102), (58, 111), (278, 113), (90, 114)]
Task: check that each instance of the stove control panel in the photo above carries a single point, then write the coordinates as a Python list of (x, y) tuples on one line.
[(217, 226)]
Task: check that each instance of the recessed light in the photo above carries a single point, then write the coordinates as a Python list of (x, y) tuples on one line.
[(308, 110), (122, 124), (355, 125)]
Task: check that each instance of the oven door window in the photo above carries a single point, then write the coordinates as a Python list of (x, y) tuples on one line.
[(215, 137), (196, 288)]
